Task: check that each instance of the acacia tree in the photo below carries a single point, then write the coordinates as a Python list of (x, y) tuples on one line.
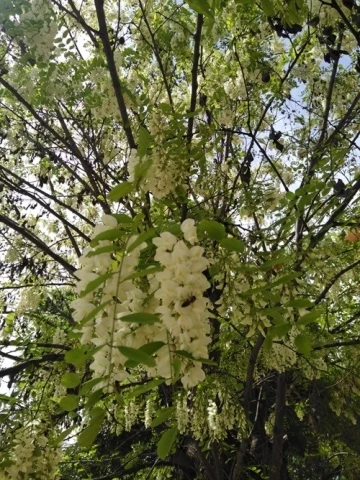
[(179, 224)]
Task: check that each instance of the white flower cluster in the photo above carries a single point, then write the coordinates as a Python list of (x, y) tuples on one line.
[(175, 293), (282, 357), (131, 411), (134, 160), (204, 418), (224, 418), (166, 170), (149, 412), (29, 299), (164, 174), (31, 457), (120, 297), (39, 28), (182, 413), (183, 307)]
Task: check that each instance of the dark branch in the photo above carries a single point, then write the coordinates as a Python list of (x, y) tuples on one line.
[(99, 5), (37, 242), (51, 357)]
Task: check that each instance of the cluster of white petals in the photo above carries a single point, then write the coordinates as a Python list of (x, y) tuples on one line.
[(183, 307), (31, 456), (176, 294), (39, 27), (213, 414), (119, 297), (182, 414), (165, 169), (134, 160)]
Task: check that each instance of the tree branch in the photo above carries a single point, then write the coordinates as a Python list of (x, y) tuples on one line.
[(277, 447), (53, 197), (333, 280), (330, 92), (346, 343), (99, 5), (236, 474), (51, 357), (194, 73), (38, 243), (156, 53), (194, 87), (76, 15)]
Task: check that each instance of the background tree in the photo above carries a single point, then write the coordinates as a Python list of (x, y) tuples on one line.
[(179, 186)]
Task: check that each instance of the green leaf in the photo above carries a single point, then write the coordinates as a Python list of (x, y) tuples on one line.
[(60, 438), (137, 356), (305, 200), (177, 368), (144, 141), (4, 417), (309, 317), (97, 412), (94, 398), (143, 237), (277, 313), (162, 415), (232, 244), (141, 170), (151, 348), (87, 386), (79, 356), (95, 283), (122, 218), (120, 191), (268, 8), (141, 317), (93, 313), (69, 402), (268, 343), (165, 107), (173, 228), (185, 354), (274, 261), (270, 296), (299, 303), (286, 279), (252, 291), (206, 361), (5, 398), (106, 249), (200, 6), (214, 230), (135, 392), (303, 344), (70, 380), (88, 435), (75, 357), (166, 442), (279, 331), (111, 234), (6, 463), (142, 273)]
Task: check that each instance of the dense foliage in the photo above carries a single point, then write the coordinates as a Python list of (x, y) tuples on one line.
[(179, 221)]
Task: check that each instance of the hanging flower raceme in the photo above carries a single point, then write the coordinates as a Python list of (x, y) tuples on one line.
[(32, 455), (105, 288), (109, 292), (183, 307)]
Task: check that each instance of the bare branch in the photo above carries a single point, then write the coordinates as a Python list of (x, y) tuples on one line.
[(99, 5), (37, 242), (51, 357), (334, 279)]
